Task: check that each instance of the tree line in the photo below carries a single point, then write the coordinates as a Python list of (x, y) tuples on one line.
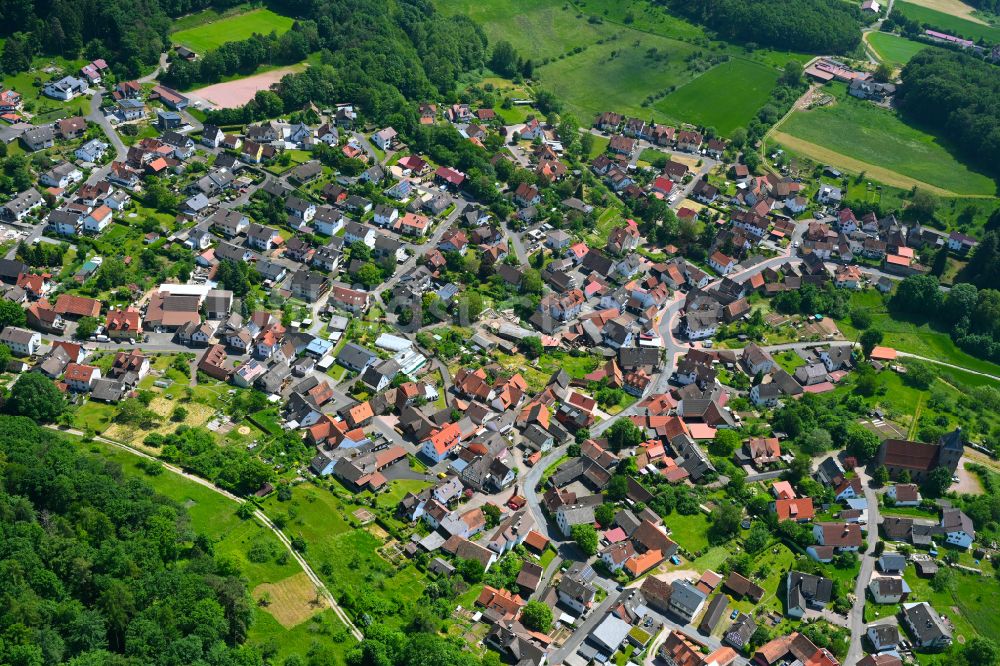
[(245, 56), (970, 315), (959, 96), (811, 26), (129, 34), (378, 58)]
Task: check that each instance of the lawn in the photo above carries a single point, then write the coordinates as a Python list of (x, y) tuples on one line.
[(912, 336), (726, 97), (894, 49), (690, 532), (789, 361), (618, 74), (863, 132), (948, 23), (208, 36), (538, 29), (968, 604), (537, 373)]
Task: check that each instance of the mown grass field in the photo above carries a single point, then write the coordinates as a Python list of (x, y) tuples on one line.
[(894, 49), (948, 23), (208, 36), (864, 132), (617, 75), (538, 29), (726, 97)]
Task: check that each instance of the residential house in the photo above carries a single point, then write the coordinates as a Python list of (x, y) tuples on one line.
[(806, 591), (21, 341)]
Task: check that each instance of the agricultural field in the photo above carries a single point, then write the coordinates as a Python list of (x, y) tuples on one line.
[(622, 70), (956, 25), (291, 619), (852, 133), (627, 70), (538, 29), (952, 7), (726, 97), (894, 49), (214, 34)]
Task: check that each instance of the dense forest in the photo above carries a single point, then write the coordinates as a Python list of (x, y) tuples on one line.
[(971, 315), (376, 52), (97, 569), (810, 26), (129, 34), (245, 56), (959, 96)]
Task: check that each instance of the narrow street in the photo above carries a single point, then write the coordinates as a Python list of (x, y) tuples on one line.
[(856, 617)]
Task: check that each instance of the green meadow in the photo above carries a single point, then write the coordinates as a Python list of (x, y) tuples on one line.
[(212, 35)]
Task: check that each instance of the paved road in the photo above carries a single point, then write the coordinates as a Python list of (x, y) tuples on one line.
[(98, 117), (856, 618), (418, 250), (160, 67), (258, 514), (531, 480), (584, 629)]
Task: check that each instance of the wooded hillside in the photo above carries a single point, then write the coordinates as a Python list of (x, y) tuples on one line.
[(97, 569), (811, 26), (959, 96)]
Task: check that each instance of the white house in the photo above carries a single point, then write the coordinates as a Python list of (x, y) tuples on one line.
[(65, 88), (888, 589), (21, 341), (384, 138), (957, 528), (440, 444), (883, 636), (328, 221), (92, 151), (904, 494), (98, 220), (61, 176), (721, 263), (385, 216), (81, 377)]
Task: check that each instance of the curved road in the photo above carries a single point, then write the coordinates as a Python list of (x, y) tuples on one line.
[(258, 514)]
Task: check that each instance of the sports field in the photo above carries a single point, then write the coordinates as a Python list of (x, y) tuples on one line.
[(212, 35), (948, 23), (894, 49), (725, 97), (865, 133), (538, 29)]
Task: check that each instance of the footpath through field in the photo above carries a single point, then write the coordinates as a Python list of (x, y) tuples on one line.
[(258, 514)]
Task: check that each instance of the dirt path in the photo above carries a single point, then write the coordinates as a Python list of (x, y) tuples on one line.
[(881, 174), (258, 514)]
